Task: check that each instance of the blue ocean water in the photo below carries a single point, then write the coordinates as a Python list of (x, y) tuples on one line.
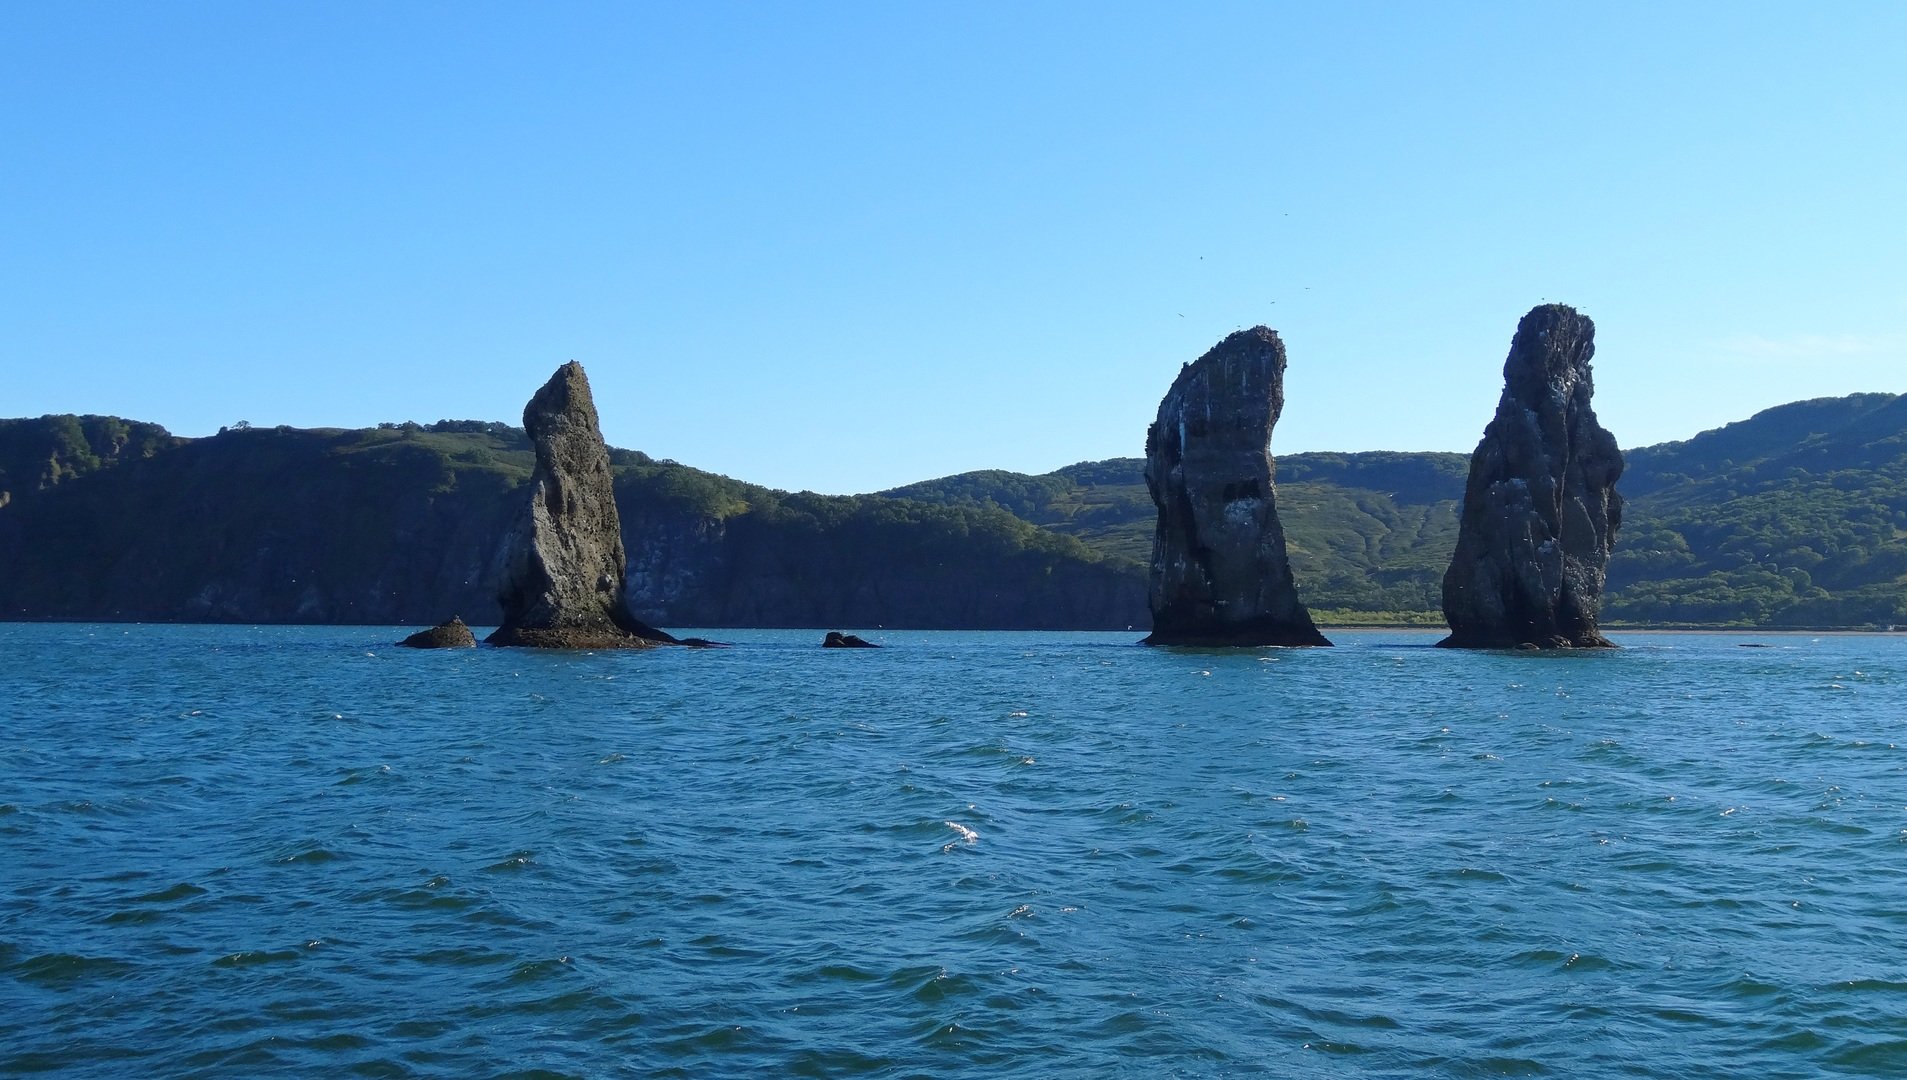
[(234, 852)]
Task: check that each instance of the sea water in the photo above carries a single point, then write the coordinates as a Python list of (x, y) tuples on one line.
[(238, 852)]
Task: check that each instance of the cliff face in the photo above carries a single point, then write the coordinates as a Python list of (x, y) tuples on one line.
[(402, 525), (1220, 575), (791, 568), (1540, 510), (261, 526)]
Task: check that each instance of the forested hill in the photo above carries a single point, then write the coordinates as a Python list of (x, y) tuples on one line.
[(1367, 532), (1796, 516), (108, 519)]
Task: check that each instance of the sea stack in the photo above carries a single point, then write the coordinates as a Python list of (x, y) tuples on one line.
[(1540, 511), (1219, 571), (563, 564)]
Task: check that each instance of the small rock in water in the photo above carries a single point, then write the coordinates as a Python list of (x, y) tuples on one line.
[(451, 635), (837, 640)]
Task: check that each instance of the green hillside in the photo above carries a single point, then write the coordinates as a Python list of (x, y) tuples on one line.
[(1367, 532), (39, 453), (401, 524), (1796, 516)]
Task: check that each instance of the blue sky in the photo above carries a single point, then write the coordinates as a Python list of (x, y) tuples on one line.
[(847, 246)]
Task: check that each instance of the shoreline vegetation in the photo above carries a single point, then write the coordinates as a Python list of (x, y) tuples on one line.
[(1794, 519)]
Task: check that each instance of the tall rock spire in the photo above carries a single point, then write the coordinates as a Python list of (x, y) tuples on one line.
[(1540, 511), (1219, 571), (563, 562)]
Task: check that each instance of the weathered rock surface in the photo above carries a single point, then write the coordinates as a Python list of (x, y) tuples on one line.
[(837, 640), (1220, 575), (1540, 511), (561, 585), (451, 635)]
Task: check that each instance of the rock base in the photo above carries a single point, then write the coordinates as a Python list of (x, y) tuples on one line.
[(1591, 640), (567, 638), (1276, 634)]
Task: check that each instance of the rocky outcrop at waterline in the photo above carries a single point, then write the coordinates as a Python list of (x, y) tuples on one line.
[(837, 640), (1540, 510), (563, 563), (451, 635), (1220, 575)]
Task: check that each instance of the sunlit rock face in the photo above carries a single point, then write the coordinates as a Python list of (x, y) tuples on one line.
[(1220, 575), (1540, 511), (563, 564)]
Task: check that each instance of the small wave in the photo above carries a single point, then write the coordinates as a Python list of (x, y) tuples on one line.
[(431, 896), (1890, 986), (845, 973), (183, 890), (1747, 986), (517, 860), (1330, 1046), (61, 969), (532, 971), (365, 775), (944, 986), (462, 958), (255, 957), (1561, 961), (1883, 1057), (1505, 1066)]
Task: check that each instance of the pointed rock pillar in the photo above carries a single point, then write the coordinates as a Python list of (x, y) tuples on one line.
[(563, 563), (1540, 511), (1220, 575)]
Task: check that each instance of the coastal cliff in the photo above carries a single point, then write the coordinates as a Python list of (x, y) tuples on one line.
[(1795, 517), (401, 524)]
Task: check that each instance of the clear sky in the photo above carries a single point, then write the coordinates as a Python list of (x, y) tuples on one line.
[(847, 246)]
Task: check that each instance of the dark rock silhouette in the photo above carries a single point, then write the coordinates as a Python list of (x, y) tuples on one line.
[(837, 640), (1540, 511), (1220, 575), (561, 584), (451, 635)]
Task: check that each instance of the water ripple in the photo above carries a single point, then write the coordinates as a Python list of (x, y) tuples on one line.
[(238, 851)]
